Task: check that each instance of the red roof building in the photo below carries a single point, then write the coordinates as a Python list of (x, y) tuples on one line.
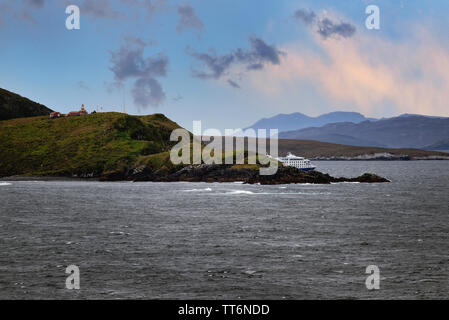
[(82, 112)]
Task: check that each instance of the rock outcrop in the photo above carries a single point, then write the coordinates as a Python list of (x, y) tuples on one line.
[(229, 173)]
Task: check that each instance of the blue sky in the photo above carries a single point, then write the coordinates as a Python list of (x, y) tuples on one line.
[(263, 59)]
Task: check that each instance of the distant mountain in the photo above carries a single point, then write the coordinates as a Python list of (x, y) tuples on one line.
[(419, 115), (295, 121), (439, 145), (410, 131), (14, 106)]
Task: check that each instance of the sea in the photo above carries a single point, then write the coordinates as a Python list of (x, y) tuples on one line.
[(186, 240)]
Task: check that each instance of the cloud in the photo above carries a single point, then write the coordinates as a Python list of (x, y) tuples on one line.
[(107, 9), (148, 91), (305, 16), (36, 3), (325, 26), (149, 6), (99, 9), (255, 66), (216, 66), (20, 12), (233, 84), (377, 76), (188, 20), (128, 62), (260, 52)]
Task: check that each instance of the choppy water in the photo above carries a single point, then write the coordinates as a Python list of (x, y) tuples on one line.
[(198, 240)]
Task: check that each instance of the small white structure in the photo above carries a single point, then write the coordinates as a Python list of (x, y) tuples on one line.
[(297, 162)]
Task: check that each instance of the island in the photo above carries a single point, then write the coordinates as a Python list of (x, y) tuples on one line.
[(120, 147)]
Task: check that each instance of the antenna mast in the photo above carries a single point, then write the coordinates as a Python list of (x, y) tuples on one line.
[(124, 101)]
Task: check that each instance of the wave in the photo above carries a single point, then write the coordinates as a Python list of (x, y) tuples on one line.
[(240, 192), (244, 192), (198, 190), (5, 184)]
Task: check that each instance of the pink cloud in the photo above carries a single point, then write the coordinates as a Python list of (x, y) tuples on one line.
[(367, 72)]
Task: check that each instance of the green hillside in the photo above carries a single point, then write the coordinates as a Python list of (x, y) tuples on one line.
[(14, 106), (87, 146)]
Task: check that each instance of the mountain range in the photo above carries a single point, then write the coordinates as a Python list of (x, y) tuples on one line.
[(295, 121), (350, 128)]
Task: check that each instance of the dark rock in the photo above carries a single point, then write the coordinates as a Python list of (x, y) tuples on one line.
[(228, 173)]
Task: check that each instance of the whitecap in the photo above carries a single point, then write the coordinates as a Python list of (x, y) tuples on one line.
[(197, 190), (5, 184), (250, 272), (240, 192)]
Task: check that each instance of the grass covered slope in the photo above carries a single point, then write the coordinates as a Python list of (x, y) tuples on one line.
[(15, 106), (87, 146)]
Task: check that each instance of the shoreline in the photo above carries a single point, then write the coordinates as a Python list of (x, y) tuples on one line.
[(203, 175), (213, 173), (44, 178), (382, 159)]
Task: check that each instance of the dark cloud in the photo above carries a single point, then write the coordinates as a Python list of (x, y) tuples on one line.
[(217, 65), (147, 91), (99, 9), (260, 52), (129, 63), (149, 6), (233, 84), (188, 19), (107, 9), (305, 16), (255, 58), (255, 66), (325, 26), (36, 3)]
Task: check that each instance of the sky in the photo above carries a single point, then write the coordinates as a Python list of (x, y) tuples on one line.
[(228, 63)]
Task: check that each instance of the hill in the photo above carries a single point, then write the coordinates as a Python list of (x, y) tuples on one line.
[(400, 132), (87, 146), (324, 150), (14, 106), (439, 145), (295, 121), (115, 146), (318, 150)]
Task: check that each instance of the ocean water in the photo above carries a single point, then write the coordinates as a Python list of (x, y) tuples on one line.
[(233, 241)]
